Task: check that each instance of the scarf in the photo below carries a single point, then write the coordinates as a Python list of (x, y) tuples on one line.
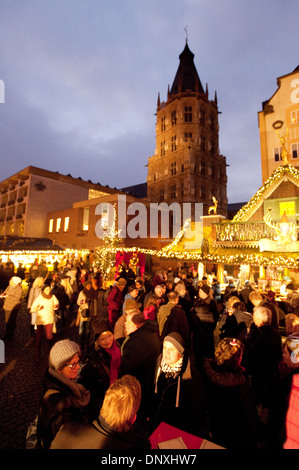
[(114, 353), (79, 396), (171, 372)]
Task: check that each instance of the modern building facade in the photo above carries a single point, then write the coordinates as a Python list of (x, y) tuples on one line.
[(187, 165), (27, 196)]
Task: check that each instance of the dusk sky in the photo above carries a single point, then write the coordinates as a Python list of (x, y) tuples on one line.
[(82, 79)]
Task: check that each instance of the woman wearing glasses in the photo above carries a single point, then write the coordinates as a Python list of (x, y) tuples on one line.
[(64, 399)]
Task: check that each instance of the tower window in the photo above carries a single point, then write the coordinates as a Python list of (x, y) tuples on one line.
[(173, 143), (188, 113), (161, 195), (173, 168), (163, 124), (203, 143), (188, 136), (173, 192), (173, 118), (203, 169), (162, 149), (202, 117)]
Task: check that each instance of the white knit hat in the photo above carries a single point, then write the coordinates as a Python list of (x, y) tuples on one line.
[(16, 280), (62, 352)]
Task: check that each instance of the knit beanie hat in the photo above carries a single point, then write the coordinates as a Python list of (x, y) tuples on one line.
[(16, 280), (177, 340), (205, 288), (62, 352)]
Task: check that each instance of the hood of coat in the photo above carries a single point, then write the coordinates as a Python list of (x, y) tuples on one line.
[(222, 376)]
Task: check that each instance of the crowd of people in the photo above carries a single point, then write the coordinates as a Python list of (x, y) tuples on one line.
[(222, 365)]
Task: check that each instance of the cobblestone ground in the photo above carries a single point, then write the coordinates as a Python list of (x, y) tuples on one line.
[(21, 379)]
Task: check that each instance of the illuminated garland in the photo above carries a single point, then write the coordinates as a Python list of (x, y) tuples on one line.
[(266, 190)]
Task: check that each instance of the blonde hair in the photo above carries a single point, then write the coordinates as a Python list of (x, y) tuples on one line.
[(231, 301), (121, 403)]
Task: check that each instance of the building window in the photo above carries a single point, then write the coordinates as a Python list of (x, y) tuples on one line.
[(161, 195), (58, 224), (188, 113), (85, 218), (182, 190), (173, 192), (213, 172), (294, 150), (182, 168), (288, 207), (202, 117), (173, 143), (162, 149), (277, 154), (203, 169), (173, 118), (173, 169), (51, 225), (295, 116), (213, 147), (163, 124), (188, 136), (66, 223), (203, 143)]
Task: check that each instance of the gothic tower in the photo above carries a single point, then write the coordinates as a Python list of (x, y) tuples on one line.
[(187, 165)]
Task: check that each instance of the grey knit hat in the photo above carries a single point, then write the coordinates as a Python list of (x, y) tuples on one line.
[(62, 352), (177, 340)]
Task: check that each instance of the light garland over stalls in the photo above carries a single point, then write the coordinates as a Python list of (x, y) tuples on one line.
[(284, 172)]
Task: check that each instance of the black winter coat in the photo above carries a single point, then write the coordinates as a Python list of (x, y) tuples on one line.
[(234, 420)]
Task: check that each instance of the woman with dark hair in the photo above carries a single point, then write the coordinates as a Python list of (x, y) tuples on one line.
[(234, 420), (101, 365)]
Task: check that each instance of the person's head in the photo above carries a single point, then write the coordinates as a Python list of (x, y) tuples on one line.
[(203, 291), (173, 349), (133, 291), (134, 320), (173, 297), (103, 335), (15, 281), (139, 283), (121, 403), (180, 288), (131, 304), (152, 299), (46, 290), (262, 316), (121, 283), (231, 301), (159, 290), (291, 351), (38, 282), (237, 306), (291, 323), (64, 358), (229, 352), (256, 298), (88, 285)]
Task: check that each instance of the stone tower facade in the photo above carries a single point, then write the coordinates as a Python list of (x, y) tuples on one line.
[(187, 165)]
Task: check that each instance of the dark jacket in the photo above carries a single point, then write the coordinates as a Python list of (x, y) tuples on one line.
[(262, 354), (60, 406), (177, 322), (98, 435), (181, 401), (139, 354), (234, 419)]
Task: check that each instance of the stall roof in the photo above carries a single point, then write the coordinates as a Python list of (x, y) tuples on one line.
[(14, 243)]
